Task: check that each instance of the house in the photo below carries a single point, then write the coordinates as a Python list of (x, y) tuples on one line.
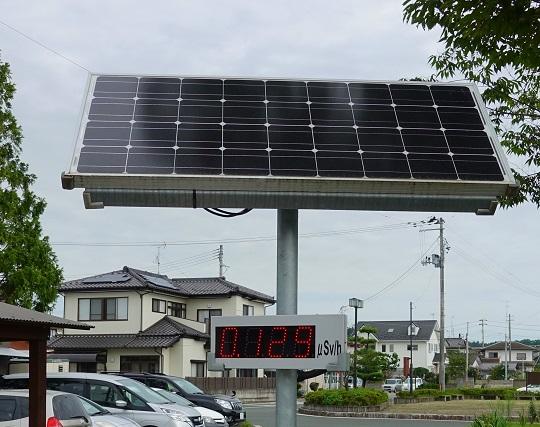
[(144, 321), (394, 337), (521, 357)]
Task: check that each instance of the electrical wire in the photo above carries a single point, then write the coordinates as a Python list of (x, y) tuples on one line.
[(403, 275), (388, 227), (226, 214), (44, 46)]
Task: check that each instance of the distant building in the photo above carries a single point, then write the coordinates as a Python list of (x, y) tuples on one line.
[(522, 358), (394, 337), (148, 322)]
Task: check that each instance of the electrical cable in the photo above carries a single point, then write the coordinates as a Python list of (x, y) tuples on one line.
[(402, 276), (226, 214), (44, 46)]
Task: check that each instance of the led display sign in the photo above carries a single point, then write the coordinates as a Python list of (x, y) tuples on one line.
[(280, 342)]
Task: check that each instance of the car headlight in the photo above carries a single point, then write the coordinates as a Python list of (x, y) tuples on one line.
[(176, 415), (208, 420), (224, 403)]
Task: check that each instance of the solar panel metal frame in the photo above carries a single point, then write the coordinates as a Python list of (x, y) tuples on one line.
[(284, 192)]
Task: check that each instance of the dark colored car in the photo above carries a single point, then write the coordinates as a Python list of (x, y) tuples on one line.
[(229, 406)]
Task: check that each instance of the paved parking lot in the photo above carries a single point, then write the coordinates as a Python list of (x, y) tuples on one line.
[(264, 415)]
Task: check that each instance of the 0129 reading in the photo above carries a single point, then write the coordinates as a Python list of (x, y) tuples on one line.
[(257, 342)]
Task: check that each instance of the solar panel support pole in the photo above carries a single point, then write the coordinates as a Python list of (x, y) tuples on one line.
[(287, 303)]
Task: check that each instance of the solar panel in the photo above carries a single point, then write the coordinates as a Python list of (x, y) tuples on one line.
[(159, 281), (223, 134), (108, 278)]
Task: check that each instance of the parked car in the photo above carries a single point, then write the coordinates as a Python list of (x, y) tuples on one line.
[(210, 418), (390, 384), (61, 409), (405, 385), (230, 407), (120, 395), (533, 388), (101, 417), (350, 382)]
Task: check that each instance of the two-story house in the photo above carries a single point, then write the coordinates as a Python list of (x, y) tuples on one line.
[(521, 357), (148, 322), (394, 337)]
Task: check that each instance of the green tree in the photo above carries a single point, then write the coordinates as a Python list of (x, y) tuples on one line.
[(494, 44), (420, 372), (456, 364), (29, 272), (497, 373), (373, 365)]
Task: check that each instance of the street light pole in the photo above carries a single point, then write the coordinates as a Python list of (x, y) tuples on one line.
[(356, 304)]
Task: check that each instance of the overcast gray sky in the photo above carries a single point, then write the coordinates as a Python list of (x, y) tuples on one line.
[(492, 266)]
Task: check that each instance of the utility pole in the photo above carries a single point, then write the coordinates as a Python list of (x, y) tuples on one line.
[(438, 262), (467, 355), (505, 357), (482, 323), (220, 258), (411, 350), (509, 338)]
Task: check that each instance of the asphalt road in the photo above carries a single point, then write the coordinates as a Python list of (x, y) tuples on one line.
[(264, 416)]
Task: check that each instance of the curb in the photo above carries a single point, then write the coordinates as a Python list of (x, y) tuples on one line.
[(438, 417)]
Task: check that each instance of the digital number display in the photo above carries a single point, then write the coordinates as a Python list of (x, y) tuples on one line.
[(261, 342)]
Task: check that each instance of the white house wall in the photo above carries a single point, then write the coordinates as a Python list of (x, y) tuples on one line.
[(129, 326)]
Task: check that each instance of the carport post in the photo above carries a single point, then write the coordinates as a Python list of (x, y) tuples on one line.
[(38, 382), (287, 303)]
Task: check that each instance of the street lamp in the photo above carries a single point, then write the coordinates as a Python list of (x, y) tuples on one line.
[(356, 304)]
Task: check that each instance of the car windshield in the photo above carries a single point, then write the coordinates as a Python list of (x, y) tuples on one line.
[(142, 391), (173, 397), (92, 408), (390, 381), (187, 386)]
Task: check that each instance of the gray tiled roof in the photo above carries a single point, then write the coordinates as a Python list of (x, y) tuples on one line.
[(397, 330), (14, 314), (214, 286), (515, 346), (164, 333), (131, 278), (455, 343)]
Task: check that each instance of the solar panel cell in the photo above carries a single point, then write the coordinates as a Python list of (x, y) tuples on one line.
[(374, 116), (386, 165), (411, 95), (460, 118)]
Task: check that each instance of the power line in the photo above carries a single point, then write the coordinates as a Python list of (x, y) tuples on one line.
[(402, 276), (45, 46), (389, 227)]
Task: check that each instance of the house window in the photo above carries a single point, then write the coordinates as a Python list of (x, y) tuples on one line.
[(159, 305), (205, 315), (197, 368), (177, 309), (493, 354), (414, 347), (103, 308), (391, 348), (521, 356), (248, 310), (383, 348)]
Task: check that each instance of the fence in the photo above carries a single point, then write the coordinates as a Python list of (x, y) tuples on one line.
[(246, 389)]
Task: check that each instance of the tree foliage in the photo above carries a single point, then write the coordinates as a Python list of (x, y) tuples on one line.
[(29, 272), (373, 365), (456, 364), (496, 45), (497, 373)]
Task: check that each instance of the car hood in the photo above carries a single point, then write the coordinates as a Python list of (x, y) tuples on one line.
[(225, 397), (112, 421), (205, 412), (189, 411)]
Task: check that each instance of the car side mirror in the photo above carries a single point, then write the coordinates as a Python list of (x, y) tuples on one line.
[(121, 404), (76, 422)]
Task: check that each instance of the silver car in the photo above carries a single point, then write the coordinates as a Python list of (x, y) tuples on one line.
[(61, 409), (120, 395), (103, 418)]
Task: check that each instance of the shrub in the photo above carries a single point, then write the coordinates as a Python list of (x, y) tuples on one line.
[(343, 397), (314, 386), (490, 420), (533, 414), (246, 423)]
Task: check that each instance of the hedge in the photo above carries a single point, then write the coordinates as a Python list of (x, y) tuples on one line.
[(343, 397), (501, 393)]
